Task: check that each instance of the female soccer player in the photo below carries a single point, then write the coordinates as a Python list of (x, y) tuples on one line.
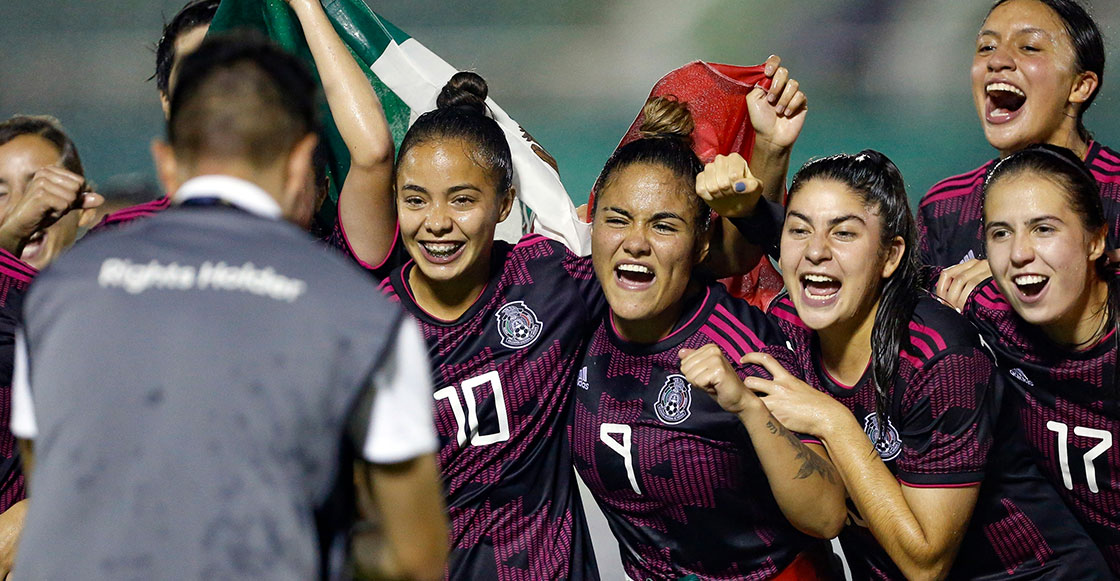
[(687, 488), (505, 326), (1050, 316), (1038, 67), (899, 391)]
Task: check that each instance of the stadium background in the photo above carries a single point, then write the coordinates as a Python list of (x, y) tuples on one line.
[(885, 74)]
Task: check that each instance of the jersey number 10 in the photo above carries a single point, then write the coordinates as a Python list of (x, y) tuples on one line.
[(451, 394), (1092, 454)]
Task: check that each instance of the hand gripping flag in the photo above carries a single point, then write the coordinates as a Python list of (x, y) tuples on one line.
[(408, 77), (716, 96)]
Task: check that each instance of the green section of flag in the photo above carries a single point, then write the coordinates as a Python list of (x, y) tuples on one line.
[(366, 35)]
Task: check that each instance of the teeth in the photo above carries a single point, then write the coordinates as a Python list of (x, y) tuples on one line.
[(1030, 279), (635, 268), (819, 278), (1007, 88), (441, 248)]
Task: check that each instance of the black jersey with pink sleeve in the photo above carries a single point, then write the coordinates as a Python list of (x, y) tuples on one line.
[(950, 215), (943, 431), (676, 476), (131, 213), (15, 276), (503, 374), (1068, 408)]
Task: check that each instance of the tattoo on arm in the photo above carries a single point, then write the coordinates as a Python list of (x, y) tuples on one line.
[(811, 463)]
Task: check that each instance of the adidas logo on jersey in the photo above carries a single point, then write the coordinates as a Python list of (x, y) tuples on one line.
[(582, 379), (1018, 374), (971, 255)]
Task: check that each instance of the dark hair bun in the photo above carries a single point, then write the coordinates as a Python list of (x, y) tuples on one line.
[(465, 91), (666, 117)]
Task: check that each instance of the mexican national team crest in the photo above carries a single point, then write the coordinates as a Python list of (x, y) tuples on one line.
[(518, 325), (890, 445), (674, 400)]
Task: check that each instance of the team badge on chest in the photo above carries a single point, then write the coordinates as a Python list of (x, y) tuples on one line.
[(674, 400), (890, 445), (518, 325)]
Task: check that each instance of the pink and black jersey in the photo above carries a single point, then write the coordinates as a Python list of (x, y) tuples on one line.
[(950, 215), (15, 277), (503, 374), (127, 215), (942, 431), (677, 476), (1068, 409)]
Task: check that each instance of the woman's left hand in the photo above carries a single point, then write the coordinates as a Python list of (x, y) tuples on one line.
[(778, 114), (799, 407)]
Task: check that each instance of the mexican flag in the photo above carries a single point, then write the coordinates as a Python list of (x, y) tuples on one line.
[(408, 77)]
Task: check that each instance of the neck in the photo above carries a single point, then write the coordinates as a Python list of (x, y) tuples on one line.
[(1068, 136), (449, 299), (657, 327), (846, 347), (1090, 323)]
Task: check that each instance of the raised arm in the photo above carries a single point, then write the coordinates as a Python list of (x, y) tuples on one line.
[(803, 481), (920, 528), (777, 115), (365, 204)]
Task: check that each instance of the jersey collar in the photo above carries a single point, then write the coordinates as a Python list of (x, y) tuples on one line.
[(234, 191)]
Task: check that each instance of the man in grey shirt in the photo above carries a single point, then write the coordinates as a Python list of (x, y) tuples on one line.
[(191, 382)]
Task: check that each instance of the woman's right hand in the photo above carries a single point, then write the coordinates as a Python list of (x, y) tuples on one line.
[(728, 186)]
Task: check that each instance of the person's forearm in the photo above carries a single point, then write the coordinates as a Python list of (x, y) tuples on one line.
[(806, 486), (11, 527), (354, 105), (770, 164), (877, 495)]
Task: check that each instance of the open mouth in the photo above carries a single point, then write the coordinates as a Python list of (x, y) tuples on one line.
[(634, 276), (34, 245), (1004, 101), (1030, 285), (442, 252), (819, 287)]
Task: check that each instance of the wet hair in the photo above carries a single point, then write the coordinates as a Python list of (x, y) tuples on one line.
[(461, 113), (876, 179), (1082, 194), (194, 14), (666, 141), (240, 97), (48, 128), (1088, 45)]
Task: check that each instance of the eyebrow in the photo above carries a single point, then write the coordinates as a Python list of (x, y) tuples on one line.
[(456, 188), (832, 222), (1018, 32), (1030, 222), (653, 218)]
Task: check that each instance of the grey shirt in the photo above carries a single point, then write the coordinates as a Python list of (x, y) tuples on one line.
[(189, 381)]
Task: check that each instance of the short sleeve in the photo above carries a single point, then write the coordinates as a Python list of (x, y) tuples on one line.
[(400, 424), (944, 426), (23, 410)]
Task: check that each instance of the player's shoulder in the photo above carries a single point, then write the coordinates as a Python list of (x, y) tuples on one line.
[(936, 328), (736, 315), (126, 215), (955, 186), (13, 268), (532, 248), (1104, 163)]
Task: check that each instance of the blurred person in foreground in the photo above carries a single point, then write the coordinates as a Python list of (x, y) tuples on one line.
[(230, 378)]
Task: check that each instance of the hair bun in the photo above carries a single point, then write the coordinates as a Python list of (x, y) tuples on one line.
[(465, 91), (666, 116)]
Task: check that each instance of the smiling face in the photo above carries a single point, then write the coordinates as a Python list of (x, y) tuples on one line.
[(1042, 256), (644, 244), (20, 158), (1025, 82), (832, 259), (448, 207)]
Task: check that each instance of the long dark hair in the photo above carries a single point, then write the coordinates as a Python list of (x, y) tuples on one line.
[(879, 183), (1088, 46), (461, 113), (1082, 193)]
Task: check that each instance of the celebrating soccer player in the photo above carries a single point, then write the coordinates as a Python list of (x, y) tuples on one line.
[(1050, 315), (1038, 67), (899, 391), (688, 488)]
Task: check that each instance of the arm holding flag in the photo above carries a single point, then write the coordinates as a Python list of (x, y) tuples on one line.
[(777, 116), (365, 200)]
